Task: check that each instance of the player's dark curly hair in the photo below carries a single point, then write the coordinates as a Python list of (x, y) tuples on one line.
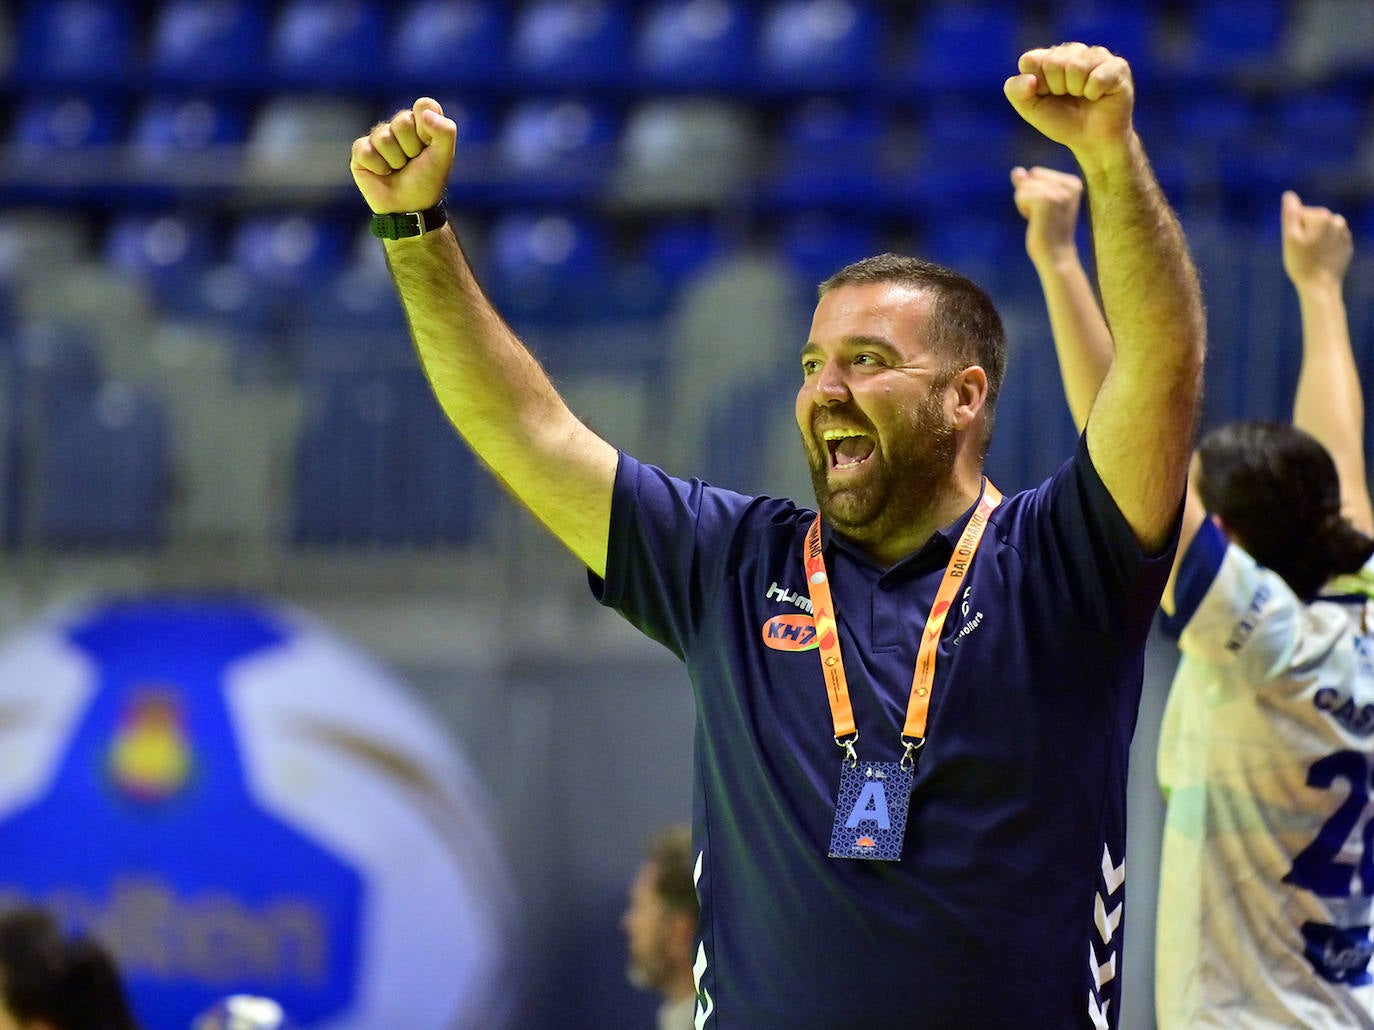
[(1277, 490)]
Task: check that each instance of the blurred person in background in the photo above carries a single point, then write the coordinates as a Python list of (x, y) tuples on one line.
[(969, 875), (1266, 755), (660, 926), (49, 981)]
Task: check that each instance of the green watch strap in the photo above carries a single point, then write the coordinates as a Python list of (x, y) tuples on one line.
[(404, 224)]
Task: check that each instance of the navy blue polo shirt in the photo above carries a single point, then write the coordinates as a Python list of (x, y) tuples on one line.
[(1006, 907)]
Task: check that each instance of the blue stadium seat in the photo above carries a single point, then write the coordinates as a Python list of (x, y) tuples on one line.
[(832, 154), (672, 252), (76, 44), (695, 45), (103, 468), (966, 149), (1309, 141), (437, 45), (659, 261), (1322, 134), (989, 248), (216, 44), (326, 44), (65, 121), (221, 297), (1125, 27), (475, 178), (186, 145), (570, 44), (1227, 37), (820, 46), (174, 126), (549, 267), (358, 298), (1234, 127), (957, 47), (816, 245), (554, 150), (167, 252), (59, 143), (285, 254)]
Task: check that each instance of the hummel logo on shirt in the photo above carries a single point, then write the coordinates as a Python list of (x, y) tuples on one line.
[(777, 593)]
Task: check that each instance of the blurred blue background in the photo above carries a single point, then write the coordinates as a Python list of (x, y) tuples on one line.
[(205, 380)]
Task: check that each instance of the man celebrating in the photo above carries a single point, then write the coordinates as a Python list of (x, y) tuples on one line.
[(958, 859)]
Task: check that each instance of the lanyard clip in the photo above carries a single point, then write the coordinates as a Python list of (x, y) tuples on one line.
[(849, 753), (913, 748)]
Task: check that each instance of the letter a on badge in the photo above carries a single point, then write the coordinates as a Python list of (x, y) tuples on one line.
[(871, 806)]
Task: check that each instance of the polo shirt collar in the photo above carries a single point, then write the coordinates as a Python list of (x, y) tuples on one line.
[(934, 552)]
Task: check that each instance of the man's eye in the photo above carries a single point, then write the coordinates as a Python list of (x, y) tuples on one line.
[(810, 367), (867, 359)]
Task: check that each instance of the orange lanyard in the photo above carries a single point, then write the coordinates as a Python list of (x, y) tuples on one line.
[(923, 680)]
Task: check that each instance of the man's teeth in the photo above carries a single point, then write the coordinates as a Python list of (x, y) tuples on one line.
[(833, 437)]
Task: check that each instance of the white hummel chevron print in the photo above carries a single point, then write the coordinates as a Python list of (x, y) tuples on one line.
[(705, 1006), (1104, 972), (1107, 922), (1098, 1011), (1112, 876)]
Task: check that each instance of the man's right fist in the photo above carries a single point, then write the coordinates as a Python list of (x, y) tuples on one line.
[(403, 164)]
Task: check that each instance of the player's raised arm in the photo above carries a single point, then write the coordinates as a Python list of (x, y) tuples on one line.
[(1049, 201), (1141, 431), (1329, 403), (491, 388)]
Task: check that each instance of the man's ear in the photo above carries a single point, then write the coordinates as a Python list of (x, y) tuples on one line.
[(683, 931), (966, 393)]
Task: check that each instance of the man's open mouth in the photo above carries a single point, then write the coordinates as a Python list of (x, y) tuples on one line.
[(848, 448)]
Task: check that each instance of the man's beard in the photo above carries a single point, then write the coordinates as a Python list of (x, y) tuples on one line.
[(911, 468)]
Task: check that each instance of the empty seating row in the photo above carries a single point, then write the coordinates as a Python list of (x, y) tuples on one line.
[(763, 45), (662, 153), (87, 462)]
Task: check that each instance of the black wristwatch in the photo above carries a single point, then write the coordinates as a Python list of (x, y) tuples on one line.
[(405, 224)]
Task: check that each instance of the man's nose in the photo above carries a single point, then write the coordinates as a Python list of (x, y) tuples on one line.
[(832, 384)]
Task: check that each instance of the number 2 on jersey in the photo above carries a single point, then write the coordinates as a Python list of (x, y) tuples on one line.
[(1316, 868)]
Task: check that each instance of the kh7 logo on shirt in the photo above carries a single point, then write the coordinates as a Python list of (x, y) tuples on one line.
[(794, 631), (791, 633)]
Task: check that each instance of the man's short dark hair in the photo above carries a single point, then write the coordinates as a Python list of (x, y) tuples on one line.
[(965, 324)]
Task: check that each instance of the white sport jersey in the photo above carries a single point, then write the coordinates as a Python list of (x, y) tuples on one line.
[(1267, 758)]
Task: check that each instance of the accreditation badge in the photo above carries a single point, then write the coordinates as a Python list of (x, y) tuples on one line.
[(870, 815)]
